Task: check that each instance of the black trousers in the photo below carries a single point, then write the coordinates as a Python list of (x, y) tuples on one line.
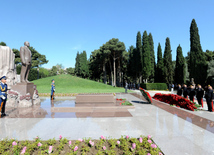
[(199, 100), (3, 107), (209, 104), (191, 98)]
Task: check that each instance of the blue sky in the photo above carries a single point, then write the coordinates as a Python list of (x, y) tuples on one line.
[(60, 28)]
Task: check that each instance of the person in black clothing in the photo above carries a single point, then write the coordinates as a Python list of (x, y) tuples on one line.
[(209, 97), (179, 90), (199, 94), (185, 91), (191, 93)]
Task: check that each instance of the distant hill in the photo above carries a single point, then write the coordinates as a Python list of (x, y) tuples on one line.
[(72, 84)]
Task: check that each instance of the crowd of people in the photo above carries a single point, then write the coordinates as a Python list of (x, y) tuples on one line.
[(197, 91)]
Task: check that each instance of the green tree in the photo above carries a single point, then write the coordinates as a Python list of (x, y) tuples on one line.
[(152, 57), (131, 63), (209, 55), (146, 58), (137, 55), (77, 65), (3, 44), (159, 73), (43, 72), (37, 58), (180, 68), (70, 71), (53, 71), (95, 65), (83, 64), (197, 63), (167, 60), (116, 47), (33, 74), (17, 56), (210, 69)]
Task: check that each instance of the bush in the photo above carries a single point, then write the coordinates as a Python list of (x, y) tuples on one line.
[(154, 86)]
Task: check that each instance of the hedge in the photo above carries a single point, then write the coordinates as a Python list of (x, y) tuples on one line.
[(154, 86)]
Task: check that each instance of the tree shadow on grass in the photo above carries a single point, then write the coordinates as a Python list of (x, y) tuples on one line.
[(140, 102)]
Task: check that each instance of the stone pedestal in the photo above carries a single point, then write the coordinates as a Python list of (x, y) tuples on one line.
[(24, 88)]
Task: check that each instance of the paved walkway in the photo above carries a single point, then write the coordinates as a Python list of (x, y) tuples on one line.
[(173, 133)]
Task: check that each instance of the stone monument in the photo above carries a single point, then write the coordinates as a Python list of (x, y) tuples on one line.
[(24, 92), (7, 65)]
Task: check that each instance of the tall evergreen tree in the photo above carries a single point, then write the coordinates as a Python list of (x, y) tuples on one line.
[(159, 73), (83, 64), (131, 62), (146, 60), (167, 60), (180, 68), (77, 64), (138, 56), (197, 63), (152, 57)]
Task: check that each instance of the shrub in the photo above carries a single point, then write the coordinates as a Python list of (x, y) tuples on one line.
[(154, 86)]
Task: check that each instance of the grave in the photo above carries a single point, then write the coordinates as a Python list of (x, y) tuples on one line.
[(95, 98)]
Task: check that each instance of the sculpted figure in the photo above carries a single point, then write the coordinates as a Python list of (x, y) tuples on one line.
[(25, 55)]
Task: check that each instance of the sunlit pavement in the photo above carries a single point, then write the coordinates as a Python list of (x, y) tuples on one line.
[(176, 131)]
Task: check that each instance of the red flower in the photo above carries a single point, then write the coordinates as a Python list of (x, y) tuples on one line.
[(176, 100)]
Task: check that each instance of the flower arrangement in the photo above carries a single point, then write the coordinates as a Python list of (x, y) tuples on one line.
[(123, 101), (176, 100), (123, 145), (146, 95)]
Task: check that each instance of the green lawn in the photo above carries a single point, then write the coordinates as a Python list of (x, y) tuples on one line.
[(73, 84)]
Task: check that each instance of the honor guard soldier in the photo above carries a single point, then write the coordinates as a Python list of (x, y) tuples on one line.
[(191, 93), (179, 90), (199, 94), (3, 95), (185, 91), (52, 89), (209, 97)]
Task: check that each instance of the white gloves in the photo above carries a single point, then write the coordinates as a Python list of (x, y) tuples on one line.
[(3, 97)]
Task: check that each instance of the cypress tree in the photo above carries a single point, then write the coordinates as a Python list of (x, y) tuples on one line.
[(197, 62), (180, 68), (160, 66), (138, 54), (146, 60), (77, 65), (152, 56), (83, 64), (167, 60)]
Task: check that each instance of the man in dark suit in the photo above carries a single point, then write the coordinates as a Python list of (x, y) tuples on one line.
[(209, 97), (179, 90), (185, 91), (191, 93), (199, 94)]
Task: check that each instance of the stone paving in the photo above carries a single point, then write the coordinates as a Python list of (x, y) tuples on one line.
[(175, 133)]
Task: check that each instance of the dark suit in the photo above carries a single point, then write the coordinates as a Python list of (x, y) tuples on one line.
[(199, 95), (179, 91), (191, 94), (185, 92), (209, 97)]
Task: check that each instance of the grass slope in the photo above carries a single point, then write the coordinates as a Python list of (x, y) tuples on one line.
[(72, 84)]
